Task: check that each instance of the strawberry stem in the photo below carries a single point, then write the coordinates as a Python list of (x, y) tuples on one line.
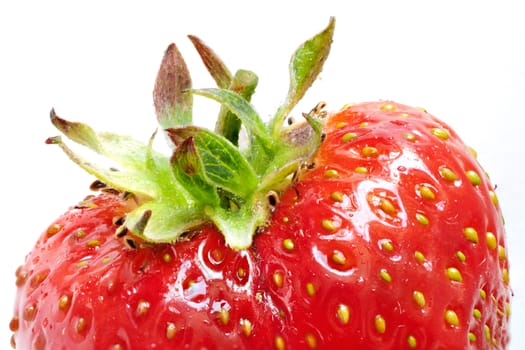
[(228, 124)]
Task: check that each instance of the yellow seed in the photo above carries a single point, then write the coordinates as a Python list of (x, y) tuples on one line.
[(310, 289), (422, 219), (331, 173), (388, 107), (427, 193), (494, 198), (82, 263), (279, 343), (311, 341), (64, 302), (383, 273), (341, 125), (80, 233), (486, 330), (473, 177), (328, 225), (361, 170), (387, 206), (30, 312), (278, 279), (171, 330), (453, 274), (507, 310), (241, 273), (224, 316), (491, 240), (447, 174), (286, 219), (452, 318), (53, 229), (476, 313), (166, 257), (419, 257), (387, 245), (410, 137), (81, 325), (412, 342), (440, 133), (404, 115), (471, 337), (349, 136), (422, 109), (471, 234), (370, 152), (343, 313), (142, 308), (93, 243), (482, 294), (288, 244), (246, 326), (419, 298), (337, 196), (380, 324), (363, 124), (506, 277), (338, 257), (461, 256), (502, 254)]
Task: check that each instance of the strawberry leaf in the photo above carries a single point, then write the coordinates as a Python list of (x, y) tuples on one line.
[(218, 70), (137, 167), (305, 65), (223, 165), (168, 221), (173, 103), (190, 171), (242, 109), (142, 171)]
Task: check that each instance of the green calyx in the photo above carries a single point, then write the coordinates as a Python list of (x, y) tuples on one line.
[(208, 178)]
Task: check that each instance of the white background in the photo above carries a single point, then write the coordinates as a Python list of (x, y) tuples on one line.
[(96, 62)]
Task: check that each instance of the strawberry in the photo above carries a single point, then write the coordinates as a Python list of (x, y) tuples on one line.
[(373, 227)]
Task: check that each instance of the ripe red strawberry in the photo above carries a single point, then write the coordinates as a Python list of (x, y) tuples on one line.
[(370, 228)]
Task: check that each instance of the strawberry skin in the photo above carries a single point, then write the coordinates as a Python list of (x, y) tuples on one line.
[(81, 288), (394, 241)]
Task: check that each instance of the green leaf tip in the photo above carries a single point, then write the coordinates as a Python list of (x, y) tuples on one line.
[(173, 104), (305, 65)]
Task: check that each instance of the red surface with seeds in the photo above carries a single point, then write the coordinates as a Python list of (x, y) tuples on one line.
[(390, 251), (81, 288), (394, 240)]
